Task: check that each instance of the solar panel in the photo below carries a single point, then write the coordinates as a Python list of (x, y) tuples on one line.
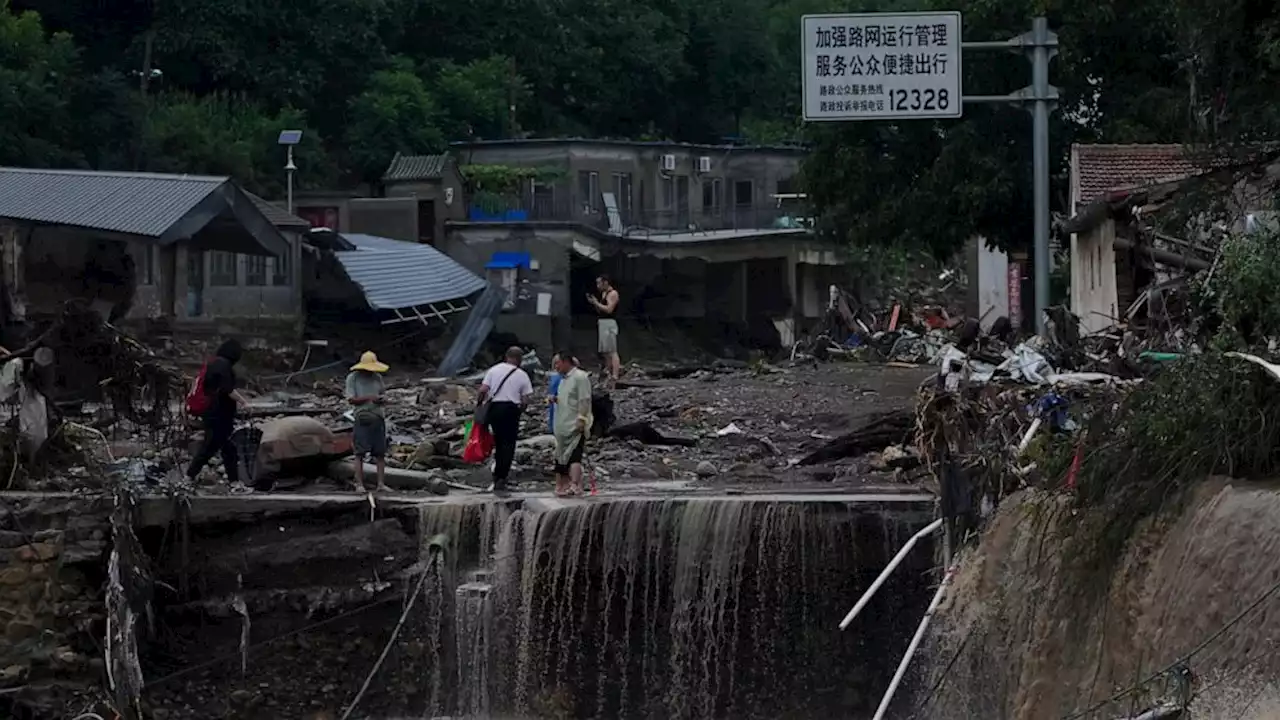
[(290, 137)]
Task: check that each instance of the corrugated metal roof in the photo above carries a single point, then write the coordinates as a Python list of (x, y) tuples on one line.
[(395, 274), (133, 203), (405, 168), (277, 215)]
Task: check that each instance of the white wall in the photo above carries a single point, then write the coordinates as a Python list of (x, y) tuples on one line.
[(1093, 278), (990, 280)]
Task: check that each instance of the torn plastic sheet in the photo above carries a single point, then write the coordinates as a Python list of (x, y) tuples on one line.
[(1024, 364)]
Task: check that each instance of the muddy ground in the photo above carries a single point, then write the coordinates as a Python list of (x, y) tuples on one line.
[(728, 428)]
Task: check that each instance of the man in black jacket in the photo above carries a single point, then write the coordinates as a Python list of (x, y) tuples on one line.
[(220, 419)]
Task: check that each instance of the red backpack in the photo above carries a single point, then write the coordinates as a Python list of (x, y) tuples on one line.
[(197, 401)]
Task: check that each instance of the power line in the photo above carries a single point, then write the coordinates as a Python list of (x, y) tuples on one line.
[(269, 641), (1181, 660)]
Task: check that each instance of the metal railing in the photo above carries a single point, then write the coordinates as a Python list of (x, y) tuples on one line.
[(642, 220), (914, 645)]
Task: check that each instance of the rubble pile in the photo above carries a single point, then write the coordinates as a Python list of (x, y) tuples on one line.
[(76, 387)]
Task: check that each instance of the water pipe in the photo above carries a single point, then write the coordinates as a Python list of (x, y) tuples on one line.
[(884, 574), (911, 649)]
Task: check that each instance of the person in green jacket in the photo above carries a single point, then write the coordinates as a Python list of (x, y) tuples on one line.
[(573, 420)]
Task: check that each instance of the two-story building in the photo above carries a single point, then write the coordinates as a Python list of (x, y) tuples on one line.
[(710, 234), (655, 185)]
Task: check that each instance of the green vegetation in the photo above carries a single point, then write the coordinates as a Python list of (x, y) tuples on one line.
[(368, 78), (1204, 415)]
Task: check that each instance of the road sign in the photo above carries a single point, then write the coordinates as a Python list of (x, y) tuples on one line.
[(882, 66)]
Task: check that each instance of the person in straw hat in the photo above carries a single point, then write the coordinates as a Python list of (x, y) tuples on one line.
[(364, 392)]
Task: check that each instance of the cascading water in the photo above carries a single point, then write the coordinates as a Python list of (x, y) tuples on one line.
[(716, 608)]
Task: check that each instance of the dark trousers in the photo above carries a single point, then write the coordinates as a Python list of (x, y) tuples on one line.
[(217, 439), (504, 423)]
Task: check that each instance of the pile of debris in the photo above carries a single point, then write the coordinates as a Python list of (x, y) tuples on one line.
[(912, 333), (79, 383)]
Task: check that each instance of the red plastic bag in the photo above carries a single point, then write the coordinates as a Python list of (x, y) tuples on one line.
[(479, 445)]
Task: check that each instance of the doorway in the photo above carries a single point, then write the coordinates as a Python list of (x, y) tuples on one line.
[(426, 221)]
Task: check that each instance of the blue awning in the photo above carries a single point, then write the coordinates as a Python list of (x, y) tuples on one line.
[(508, 261)]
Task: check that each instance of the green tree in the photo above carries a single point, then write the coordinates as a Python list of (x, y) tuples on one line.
[(35, 72), (475, 97), (223, 134), (395, 114)]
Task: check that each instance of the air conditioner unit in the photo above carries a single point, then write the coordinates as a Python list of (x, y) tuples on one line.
[(704, 164), (669, 163)]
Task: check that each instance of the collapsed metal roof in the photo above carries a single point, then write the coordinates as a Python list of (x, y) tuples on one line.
[(397, 275), (165, 208)]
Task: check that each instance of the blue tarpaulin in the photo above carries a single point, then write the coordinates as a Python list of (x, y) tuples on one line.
[(508, 261)]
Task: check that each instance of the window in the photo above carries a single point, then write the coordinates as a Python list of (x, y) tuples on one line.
[(786, 186), (622, 191), (744, 193), (589, 190), (222, 268), (281, 271), (255, 270), (712, 195)]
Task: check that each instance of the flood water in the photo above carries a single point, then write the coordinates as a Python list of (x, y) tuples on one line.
[(664, 609)]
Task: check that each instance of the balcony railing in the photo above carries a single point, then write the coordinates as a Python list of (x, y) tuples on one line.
[(636, 220)]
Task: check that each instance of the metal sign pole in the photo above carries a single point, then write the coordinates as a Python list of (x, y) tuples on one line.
[(1040, 46)]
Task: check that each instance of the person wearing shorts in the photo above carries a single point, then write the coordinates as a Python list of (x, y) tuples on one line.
[(606, 305), (572, 424), (364, 392)]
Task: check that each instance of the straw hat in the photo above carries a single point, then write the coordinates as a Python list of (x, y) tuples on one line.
[(369, 361)]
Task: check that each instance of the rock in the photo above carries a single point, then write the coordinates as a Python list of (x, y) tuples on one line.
[(706, 469), (640, 472), (19, 630), (242, 697), (12, 673), (38, 552), (14, 576), (11, 539)]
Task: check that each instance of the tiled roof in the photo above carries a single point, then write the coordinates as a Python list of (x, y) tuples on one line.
[(1103, 168), (416, 167), (278, 216), (132, 203), (396, 274)]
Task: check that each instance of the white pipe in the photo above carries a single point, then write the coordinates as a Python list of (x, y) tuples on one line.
[(884, 574), (911, 649)]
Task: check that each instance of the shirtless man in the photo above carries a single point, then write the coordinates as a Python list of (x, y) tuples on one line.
[(606, 305)]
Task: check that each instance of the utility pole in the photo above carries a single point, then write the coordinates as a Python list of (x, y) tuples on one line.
[(1040, 46)]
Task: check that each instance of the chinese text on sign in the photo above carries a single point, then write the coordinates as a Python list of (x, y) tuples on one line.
[(882, 66)]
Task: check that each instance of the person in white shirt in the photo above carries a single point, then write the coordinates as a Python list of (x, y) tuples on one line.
[(503, 395)]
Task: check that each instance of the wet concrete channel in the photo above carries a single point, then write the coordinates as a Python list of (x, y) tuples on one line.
[(636, 604)]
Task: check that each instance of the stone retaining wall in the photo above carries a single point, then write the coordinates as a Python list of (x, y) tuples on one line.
[(51, 565)]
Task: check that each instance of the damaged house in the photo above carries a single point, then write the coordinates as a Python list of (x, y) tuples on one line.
[(713, 237), (1128, 236), (170, 252)]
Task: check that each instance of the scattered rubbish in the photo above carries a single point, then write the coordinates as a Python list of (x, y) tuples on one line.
[(730, 429)]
